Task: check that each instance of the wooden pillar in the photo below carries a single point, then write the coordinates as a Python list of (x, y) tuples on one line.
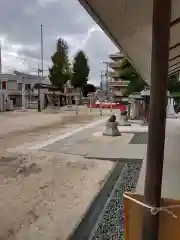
[(157, 117), (39, 101)]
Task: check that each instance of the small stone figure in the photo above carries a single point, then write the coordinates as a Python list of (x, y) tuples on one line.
[(123, 121), (112, 127), (112, 118)]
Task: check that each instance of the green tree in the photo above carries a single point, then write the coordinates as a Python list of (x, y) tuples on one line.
[(80, 70), (88, 88), (129, 73), (59, 73), (173, 83), (137, 84)]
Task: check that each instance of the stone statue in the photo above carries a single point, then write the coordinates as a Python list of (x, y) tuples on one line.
[(170, 112), (112, 127), (123, 119)]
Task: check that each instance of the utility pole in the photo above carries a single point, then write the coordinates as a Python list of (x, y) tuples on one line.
[(0, 58), (101, 82), (39, 94), (106, 75), (42, 51), (157, 117), (42, 69)]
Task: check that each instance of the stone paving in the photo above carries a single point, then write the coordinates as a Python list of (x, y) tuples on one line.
[(91, 144), (171, 176), (139, 138)]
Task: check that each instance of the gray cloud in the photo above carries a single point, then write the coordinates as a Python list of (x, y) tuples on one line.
[(66, 18)]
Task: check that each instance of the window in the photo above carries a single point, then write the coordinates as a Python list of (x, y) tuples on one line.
[(19, 86), (27, 86)]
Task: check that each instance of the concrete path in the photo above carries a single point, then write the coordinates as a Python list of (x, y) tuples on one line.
[(89, 142), (171, 173)]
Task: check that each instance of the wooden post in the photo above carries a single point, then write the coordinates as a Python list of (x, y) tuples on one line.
[(100, 108), (157, 117), (76, 102), (111, 103), (90, 105)]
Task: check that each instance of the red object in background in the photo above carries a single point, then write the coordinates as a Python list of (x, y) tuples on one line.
[(3, 84), (114, 106)]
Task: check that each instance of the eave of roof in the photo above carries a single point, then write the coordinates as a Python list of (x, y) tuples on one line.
[(101, 24), (95, 7)]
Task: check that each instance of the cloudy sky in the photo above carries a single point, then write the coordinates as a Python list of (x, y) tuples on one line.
[(20, 22)]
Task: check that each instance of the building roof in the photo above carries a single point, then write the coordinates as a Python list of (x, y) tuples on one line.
[(129, 26), (46, 86), (115, 56)]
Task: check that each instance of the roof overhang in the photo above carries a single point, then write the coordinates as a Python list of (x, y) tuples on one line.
[(128, 23)]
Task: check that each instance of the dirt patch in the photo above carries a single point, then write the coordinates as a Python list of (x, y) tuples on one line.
[(57, 124), (13, 139), (26, 170), (33, 203), (12, 166)]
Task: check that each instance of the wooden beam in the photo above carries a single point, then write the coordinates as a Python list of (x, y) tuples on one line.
[(174, 69), (175, 22), (174, 46), (157, 117), (177, 71), (174, 64), (171, 59)]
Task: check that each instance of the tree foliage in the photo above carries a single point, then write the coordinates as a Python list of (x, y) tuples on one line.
[(137, 84), (128, 73), (59, 73), (80, 70), (88, 88), (173, 83)]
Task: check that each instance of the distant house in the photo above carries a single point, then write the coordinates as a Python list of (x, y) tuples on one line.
[(17, 84)]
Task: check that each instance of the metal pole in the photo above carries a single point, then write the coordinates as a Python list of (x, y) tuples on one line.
[(39, 102), (76, 106), (42, 69), (157, 119), (106, 75), (0, 57), (101, 82), (111, 103), (42, 51), (100, 107), (23, 106)]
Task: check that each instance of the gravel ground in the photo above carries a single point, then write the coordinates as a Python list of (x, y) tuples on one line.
[(110, 223)]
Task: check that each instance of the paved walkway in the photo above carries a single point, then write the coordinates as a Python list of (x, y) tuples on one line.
[(89, 142), (171, 173)]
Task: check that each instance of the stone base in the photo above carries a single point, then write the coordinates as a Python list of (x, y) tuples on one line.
[(23, 110), (124, 124), (172, 116), (144, 123), (111, 129)]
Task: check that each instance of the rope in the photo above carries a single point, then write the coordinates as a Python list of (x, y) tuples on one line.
[(154, 210)]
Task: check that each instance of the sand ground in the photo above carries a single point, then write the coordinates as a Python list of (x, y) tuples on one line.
[(44, 195)]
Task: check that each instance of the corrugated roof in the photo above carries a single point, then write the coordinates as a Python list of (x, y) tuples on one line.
[(129, 25)]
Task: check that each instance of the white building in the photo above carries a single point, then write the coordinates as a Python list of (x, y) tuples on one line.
[(18, 88)]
